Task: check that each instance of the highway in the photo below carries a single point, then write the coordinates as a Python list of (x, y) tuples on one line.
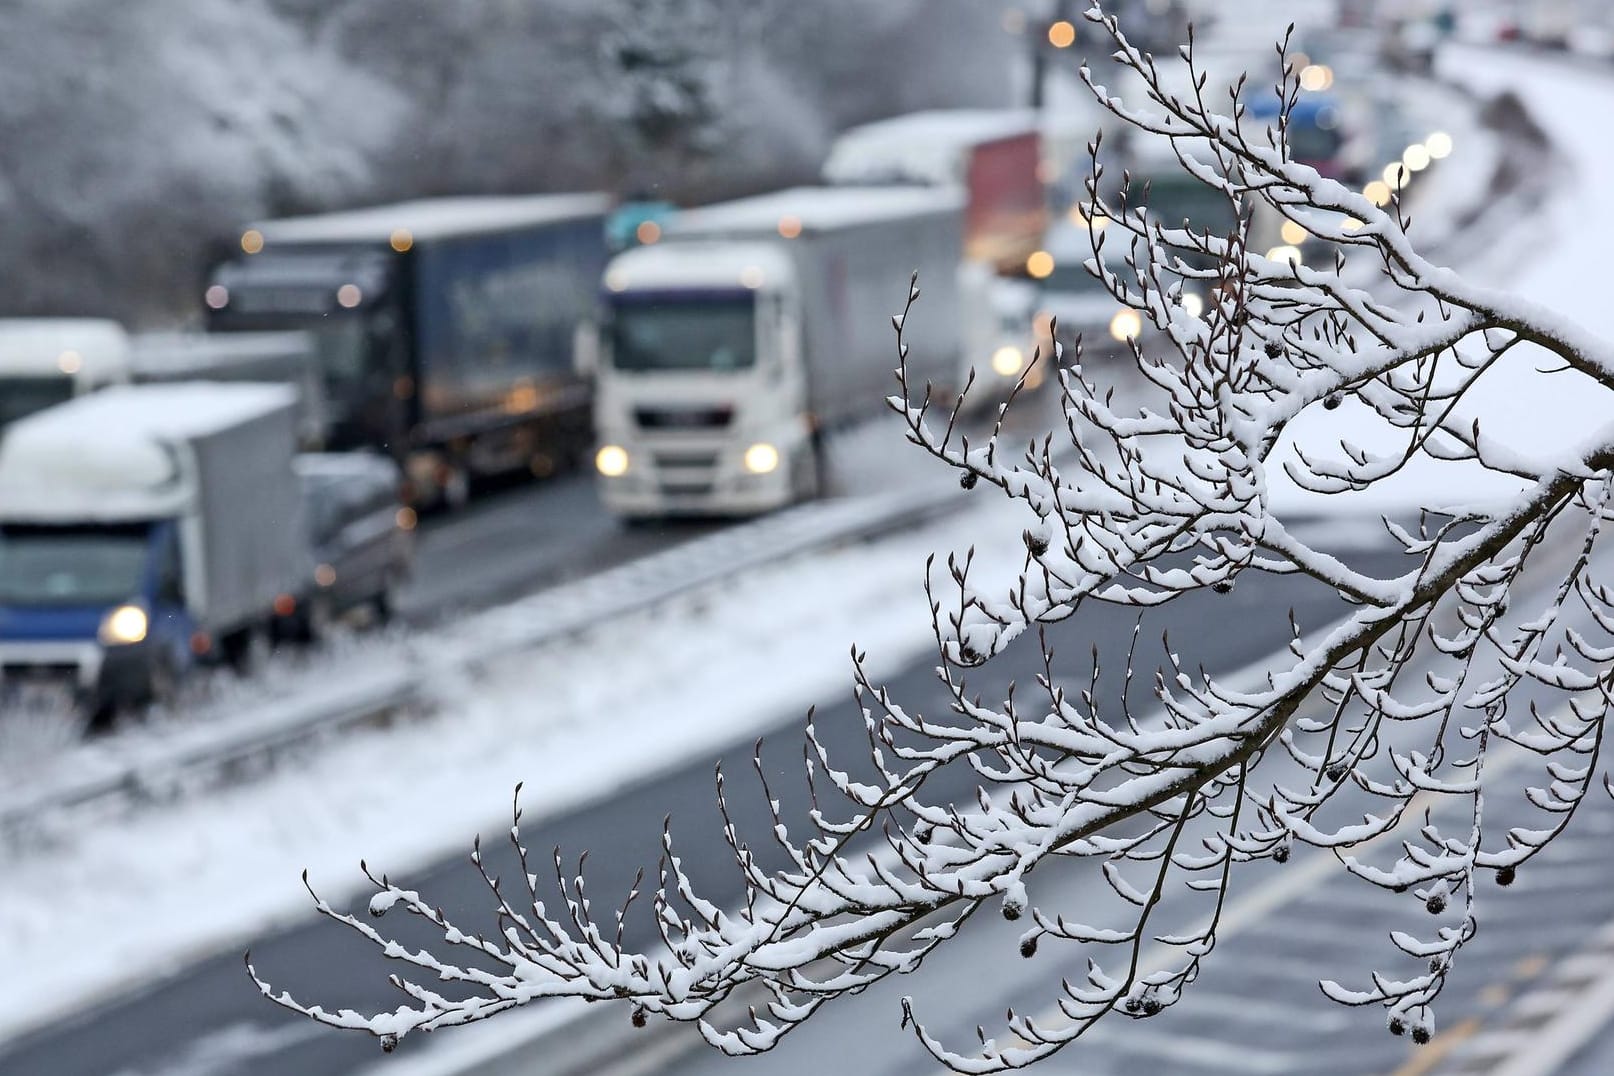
[(522, 538)]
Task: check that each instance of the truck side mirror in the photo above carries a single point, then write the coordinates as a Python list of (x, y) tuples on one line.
[(586, 349)]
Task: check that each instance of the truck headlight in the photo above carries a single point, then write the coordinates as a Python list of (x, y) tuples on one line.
[(1008, 361), (1126, 324), (611, 461), (122, 626), (761, 458)]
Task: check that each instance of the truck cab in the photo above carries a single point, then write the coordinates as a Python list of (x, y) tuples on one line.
[(702, 402), (95, 608)]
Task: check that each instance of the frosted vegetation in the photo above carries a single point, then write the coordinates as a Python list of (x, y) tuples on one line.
[(1481, 667), (144, 133)]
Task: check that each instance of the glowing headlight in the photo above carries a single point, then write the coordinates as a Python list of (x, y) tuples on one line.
[(1126, 324), (1286, 253), (1193, 304), (761, 458), (124, 625), (1008, 361), (611, 461)]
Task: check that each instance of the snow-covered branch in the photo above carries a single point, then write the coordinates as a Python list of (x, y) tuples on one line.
[(1400, 712)]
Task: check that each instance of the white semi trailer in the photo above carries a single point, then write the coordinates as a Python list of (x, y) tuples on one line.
[(282, 358), (755, 324), (46, 361)]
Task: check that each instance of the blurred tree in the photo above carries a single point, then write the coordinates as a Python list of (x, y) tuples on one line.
[(137, 134)]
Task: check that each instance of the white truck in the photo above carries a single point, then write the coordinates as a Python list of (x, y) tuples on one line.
[(145, 529), (44, 361), (727, 347)]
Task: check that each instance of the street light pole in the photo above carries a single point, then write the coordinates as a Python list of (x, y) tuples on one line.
[(1059, 33)]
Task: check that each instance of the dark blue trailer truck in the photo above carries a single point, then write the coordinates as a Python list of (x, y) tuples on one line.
[(446, 328)]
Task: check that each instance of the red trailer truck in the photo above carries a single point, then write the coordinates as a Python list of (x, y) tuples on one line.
[(992, 154)]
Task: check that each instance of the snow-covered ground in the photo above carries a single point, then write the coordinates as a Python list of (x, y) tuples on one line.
[(572, 720)]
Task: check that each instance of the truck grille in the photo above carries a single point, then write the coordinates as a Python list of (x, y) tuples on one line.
[(680, 488), (690, 457), (684, 418)]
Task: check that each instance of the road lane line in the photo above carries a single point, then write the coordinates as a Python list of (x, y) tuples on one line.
[(1435, 1051)]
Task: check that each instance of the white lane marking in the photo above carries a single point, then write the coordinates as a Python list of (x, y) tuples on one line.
[(1201, 1053), (222, 1052), (1557, 1041)]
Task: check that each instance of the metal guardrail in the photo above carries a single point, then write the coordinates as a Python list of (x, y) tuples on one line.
[(413, 677)]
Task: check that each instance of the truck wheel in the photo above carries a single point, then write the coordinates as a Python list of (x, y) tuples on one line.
[(246, 650), (456, 492), (384, 603), (164, 687), (809, 467), (311, 623)]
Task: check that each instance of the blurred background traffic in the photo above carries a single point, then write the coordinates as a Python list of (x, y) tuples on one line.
[(691, 328)]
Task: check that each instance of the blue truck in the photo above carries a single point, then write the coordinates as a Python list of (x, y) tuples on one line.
[(145, 530), (445, 328)]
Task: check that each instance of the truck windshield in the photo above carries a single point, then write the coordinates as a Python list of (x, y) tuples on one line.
[(21, 396), (1174, 199), (684, 334), (88, 565)]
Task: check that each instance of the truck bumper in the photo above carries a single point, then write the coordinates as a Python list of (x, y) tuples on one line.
[(693, 477), (644, 503), (97, 675)]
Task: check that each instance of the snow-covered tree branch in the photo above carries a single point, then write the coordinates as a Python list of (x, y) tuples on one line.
[(1482, 663)]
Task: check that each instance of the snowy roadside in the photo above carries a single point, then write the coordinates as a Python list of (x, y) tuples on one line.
[(573, 720)]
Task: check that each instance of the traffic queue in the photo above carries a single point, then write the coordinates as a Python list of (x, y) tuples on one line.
[(169, 501)]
